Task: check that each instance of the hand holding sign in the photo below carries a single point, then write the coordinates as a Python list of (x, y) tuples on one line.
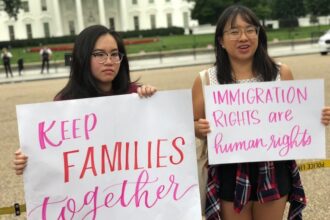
[(65, 129)]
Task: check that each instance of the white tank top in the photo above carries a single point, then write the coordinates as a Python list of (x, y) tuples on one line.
[(212, 75)]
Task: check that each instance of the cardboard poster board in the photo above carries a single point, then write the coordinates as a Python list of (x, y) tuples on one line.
[(265, 121), (119, 157)]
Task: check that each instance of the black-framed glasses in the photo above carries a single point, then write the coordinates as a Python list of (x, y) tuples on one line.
[(235, 33), (102, 56)]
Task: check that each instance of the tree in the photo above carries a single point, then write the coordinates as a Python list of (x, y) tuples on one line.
[(317, 7), (12, 7), (263, 10), (288, 8), (208, 11), (288, 11)]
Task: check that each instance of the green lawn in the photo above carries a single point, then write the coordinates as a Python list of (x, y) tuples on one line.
[(183, 42), (297, 33), (173, 43), (30, 57)]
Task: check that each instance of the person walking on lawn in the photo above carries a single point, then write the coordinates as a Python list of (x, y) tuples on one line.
[(6, 56), (45, 54)]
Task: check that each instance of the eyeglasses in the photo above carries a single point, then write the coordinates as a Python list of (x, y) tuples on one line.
[(235, 33), (101, 56)]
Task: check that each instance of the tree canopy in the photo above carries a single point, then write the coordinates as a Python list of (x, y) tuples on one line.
[(284, 9), (208, 11), (317, 7), (12, 7)]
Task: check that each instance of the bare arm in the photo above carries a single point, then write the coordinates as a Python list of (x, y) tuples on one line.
[(286, 73), (201, 125)]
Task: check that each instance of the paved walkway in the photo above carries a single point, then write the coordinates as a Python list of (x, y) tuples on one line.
[(189, 59), (313, 66)]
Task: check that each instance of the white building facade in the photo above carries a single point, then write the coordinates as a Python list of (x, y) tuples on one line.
[(54, 18)]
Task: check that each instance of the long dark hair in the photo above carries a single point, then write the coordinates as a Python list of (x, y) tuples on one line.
[(263, 64), (82, 83)]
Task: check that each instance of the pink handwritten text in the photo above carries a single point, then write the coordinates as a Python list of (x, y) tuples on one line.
[(143, 192), (118, 157), (295, 138), (257, 95), (235, 118), (67, 130), (243, 145)]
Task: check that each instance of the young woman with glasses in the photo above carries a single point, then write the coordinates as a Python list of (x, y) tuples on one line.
[(99, 67), (257, 190)]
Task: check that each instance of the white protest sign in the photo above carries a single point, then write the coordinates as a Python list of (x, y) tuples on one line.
[(119, 157), (265, 121)]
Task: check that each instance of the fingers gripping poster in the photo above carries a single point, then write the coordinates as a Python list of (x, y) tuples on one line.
[(119, 157), (265, 121)]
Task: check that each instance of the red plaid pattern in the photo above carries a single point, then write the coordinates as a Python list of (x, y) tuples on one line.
[(266, 191)]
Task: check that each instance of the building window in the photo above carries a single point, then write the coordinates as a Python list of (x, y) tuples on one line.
[(25, 6), (2, 6), (71, 28), (11, 32), (134, 2), (169, 19), (91, 18), (185, 19), (43, 5), (136, 23), (151, 1), (112, 24), (153, 21), (29, 31), (46, 29)]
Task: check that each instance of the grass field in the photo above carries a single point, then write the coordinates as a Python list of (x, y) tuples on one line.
[(183, 42)]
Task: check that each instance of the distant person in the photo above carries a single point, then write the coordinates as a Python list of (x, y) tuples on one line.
[(6, 56), (45, 54), (20, 65)]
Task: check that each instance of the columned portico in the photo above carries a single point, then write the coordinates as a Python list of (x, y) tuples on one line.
[(58, 22), (80, 18), (101, 12), (123, 15)]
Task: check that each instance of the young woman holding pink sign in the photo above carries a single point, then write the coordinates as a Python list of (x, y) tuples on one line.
[(257, 190), (99, 67)]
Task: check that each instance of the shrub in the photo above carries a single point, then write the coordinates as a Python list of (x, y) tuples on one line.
[(153, 32), (37, 42), (288, 22)]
